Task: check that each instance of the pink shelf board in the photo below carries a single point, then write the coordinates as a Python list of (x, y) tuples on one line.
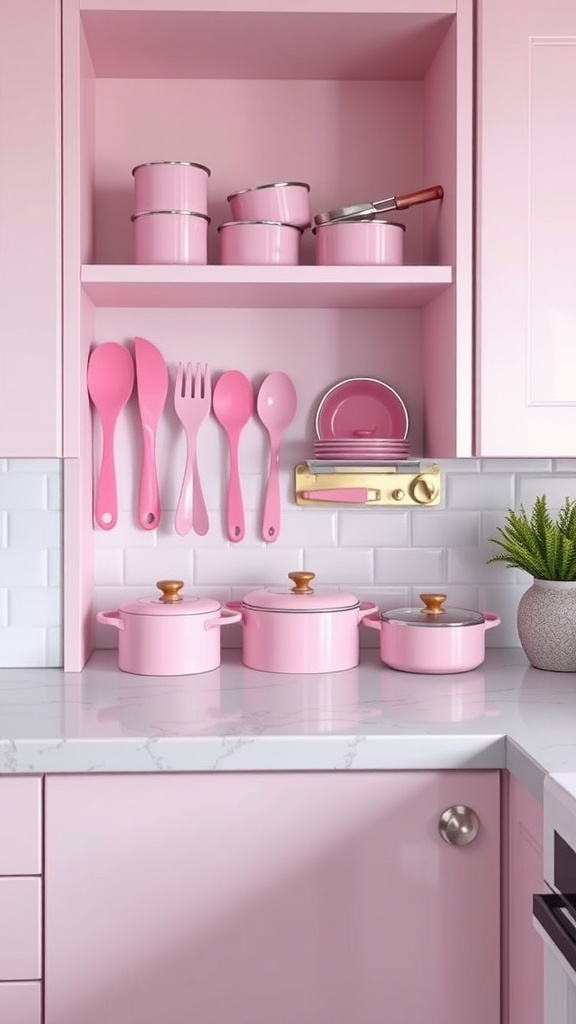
[(358, 45), (272, 287)]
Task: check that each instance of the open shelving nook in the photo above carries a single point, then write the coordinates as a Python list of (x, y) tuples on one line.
[(363, 99)]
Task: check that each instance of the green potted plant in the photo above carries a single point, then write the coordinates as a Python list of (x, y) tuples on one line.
[(544, 547)]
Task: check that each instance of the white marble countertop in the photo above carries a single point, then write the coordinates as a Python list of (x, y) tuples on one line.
[(504, 714)]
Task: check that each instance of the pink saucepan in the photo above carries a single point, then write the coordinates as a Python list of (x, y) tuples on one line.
[(432, 639), (169, 635), (298, 630)]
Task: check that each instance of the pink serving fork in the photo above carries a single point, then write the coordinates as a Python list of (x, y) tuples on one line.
[(192, 401)]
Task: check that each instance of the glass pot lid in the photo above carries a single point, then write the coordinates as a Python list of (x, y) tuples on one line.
[(170, 602), (433, 613), (300, 598)]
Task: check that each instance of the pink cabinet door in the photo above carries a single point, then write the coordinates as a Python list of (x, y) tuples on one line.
[(20, 1002), (30, 229), (524, 949), (20, 825), (526, 387), (270, 898), (20, 929)]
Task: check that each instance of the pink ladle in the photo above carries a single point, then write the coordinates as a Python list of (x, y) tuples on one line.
[(110, 384), (233, 405), (276, 408)]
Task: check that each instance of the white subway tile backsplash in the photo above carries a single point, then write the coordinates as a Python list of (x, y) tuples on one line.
[(243, 566), (34, 529), (409, 565), (143, 566), (22, 648), (556, 487), (388, 556), (34, 606), (23, 568), (23, 491), (108, 567), (477, 491), (444, 529), (342, 567), (30, 541), (378, 528)]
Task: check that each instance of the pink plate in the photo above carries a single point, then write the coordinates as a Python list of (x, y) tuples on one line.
[(350, 457), (361, 403)]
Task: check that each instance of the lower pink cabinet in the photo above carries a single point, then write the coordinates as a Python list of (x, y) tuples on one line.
[(271, 898), (524, 949), (20, 1002)]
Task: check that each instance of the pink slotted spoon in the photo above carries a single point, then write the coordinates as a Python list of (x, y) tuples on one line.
[(110, 384)]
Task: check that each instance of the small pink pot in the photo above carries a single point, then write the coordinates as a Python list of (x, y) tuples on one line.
[(432, 639), (168, 635), (170, 236), (259, 242), (285, 201), (171, 185), (359, 243), (297, 630)]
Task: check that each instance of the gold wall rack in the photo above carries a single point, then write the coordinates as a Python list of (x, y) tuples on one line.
[(366, 486)]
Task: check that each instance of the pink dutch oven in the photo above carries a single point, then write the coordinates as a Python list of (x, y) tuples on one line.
[(169, 635), (296, 630), (432, 639)]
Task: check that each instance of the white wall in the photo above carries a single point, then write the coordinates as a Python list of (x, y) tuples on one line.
[(389, 556)]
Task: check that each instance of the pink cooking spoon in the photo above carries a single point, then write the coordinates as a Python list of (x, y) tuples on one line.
[(110, 384), (233, 405), (276, 407)]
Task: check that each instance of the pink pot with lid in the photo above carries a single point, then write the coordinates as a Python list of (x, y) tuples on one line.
[(433, 638), (167, 634), (299, 630)]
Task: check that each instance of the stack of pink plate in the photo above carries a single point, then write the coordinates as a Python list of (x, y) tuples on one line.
[(363, 449), (361, 419)]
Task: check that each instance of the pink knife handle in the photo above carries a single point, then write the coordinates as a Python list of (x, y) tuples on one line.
[(106, 502), (149, 500), (271, 517), (350, 495), (235, 505)]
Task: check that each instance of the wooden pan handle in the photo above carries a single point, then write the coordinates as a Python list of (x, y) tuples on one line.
[(425, 195)]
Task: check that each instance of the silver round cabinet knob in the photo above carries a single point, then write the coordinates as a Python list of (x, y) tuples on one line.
[(458, 825)]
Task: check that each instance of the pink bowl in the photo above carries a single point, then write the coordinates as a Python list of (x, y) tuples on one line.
[(170, 236), (254, 242), (284, 201), (171, 185), (359, 243)]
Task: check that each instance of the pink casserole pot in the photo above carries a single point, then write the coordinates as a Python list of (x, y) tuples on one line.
[(171, 185), (432, 639), (169, 635), (259, 242), (285, 201), (297, 630), (359, 243)]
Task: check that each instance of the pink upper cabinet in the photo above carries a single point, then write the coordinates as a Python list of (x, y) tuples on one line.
[(30, 261), (526, 396)]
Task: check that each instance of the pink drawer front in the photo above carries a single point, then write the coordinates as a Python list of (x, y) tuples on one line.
[(20, 929), (20, 825), (20, 1002)]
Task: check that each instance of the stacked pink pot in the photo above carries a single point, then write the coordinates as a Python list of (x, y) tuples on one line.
[(267, 225), (171, 212)]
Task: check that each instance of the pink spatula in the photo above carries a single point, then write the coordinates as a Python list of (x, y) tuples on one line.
[(233, 405), (152, 388), (110, 384)]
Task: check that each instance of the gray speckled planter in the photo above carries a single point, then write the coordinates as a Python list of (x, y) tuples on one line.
[(547, 624)]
